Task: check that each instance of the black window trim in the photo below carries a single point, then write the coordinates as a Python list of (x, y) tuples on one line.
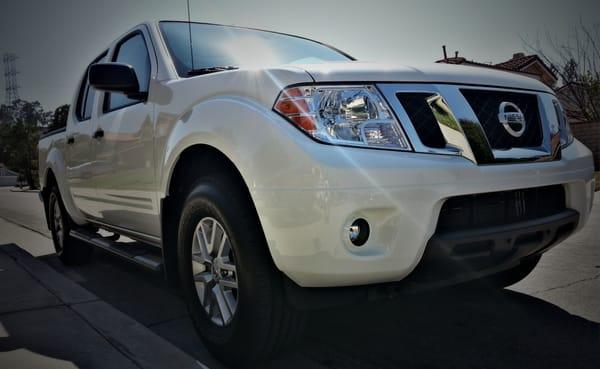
[(84, 89), (106, 96)]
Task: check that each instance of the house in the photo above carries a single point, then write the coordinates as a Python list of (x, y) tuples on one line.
[(528, 65)]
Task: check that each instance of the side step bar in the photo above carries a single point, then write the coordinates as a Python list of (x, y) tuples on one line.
[(136, 252)]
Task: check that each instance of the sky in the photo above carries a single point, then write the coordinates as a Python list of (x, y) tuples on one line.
[(56, 39)]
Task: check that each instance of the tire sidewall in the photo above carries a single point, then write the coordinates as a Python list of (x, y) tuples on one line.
[(208, 199)]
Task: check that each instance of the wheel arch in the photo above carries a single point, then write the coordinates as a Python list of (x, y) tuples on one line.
[(193, 160)]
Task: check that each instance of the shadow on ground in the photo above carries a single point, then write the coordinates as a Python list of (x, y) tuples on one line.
[(454, 328), (37, 328)]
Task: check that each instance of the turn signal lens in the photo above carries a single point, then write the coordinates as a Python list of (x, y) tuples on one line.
[(342, 115), (292, 107)]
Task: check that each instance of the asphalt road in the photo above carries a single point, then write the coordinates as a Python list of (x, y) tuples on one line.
[(549, 320)]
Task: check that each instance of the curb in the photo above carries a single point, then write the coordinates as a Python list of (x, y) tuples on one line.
[(135, 341)]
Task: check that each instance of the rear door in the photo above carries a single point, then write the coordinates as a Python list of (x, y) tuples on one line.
[(124, 141), (79, 149)]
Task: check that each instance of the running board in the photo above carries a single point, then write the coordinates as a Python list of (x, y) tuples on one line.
[(136, 252)]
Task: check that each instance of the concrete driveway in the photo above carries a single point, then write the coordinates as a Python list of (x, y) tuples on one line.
[(549, 320)]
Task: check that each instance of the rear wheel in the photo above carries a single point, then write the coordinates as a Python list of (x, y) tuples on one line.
[(233, 292), (69, 250)]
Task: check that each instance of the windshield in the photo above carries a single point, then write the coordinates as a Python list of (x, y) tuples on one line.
[(223, 46)]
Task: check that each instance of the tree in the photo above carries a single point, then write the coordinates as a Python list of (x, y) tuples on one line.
[(577, 61), (20, 125), (59, 118)]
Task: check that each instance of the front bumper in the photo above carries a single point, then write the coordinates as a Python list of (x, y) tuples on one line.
[(457, 256), (400, 195)]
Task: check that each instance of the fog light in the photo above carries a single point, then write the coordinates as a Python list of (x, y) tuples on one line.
[(358, 232)]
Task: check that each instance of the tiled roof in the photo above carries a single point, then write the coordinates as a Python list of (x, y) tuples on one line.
[(512, 65), (518, 64)]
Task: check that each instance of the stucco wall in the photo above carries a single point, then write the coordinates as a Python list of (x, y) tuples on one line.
[(589, 134)]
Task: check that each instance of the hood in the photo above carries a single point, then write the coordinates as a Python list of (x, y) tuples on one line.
[(355, 71)]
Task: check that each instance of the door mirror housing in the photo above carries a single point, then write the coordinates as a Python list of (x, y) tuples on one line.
[(116, 77)]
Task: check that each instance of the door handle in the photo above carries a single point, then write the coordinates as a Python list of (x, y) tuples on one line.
[(99, 133), (70, 140)]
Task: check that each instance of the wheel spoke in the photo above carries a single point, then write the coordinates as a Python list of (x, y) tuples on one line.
[(228, 267), (204, 282), (223, 246), (230, 299), (229, 283), (202, 245), (204, 236), (213, 233), (226, 314), (203, 277)]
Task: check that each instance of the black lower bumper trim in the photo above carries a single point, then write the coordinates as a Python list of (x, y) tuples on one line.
[(468, 254)]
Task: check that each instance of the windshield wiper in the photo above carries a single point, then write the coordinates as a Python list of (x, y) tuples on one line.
[(201, 71)]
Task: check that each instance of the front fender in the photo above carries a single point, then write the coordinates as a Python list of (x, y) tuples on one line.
[(262, 146), (268, 152)]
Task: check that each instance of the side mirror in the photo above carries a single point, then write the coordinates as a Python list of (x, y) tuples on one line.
[(116, 77)]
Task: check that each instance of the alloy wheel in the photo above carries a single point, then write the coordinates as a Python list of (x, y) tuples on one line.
[(214, 271)]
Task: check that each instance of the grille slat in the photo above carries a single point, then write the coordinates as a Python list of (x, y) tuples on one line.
[(486, 106)]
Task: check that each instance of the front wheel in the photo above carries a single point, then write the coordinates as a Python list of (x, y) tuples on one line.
[(69, 250), (233, 292)]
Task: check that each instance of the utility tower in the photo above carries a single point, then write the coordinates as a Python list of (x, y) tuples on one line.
[(10, 78)]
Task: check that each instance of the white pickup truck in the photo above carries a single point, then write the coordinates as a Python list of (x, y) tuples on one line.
[(268, 174)]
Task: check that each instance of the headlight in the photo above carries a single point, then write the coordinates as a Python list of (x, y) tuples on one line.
[(342, 115), (566, 135)]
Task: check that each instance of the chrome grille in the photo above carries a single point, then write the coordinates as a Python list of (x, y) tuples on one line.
[(486, 105), (467, 117)]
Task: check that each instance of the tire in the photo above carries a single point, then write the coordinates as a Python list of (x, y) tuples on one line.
[(516, 274), (69, 250), (254, 320)]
